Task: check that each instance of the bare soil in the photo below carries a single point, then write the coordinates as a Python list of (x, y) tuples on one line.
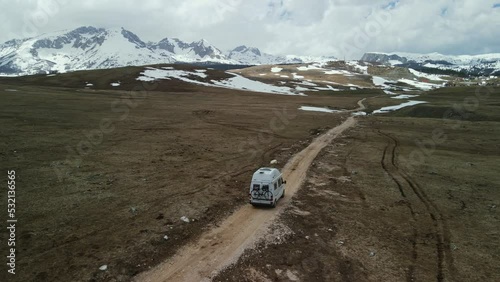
[(369, 212), (105, 173), (380, 202), (246, 226)]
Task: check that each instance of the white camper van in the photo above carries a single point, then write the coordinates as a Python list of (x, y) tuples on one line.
[(267, 187)]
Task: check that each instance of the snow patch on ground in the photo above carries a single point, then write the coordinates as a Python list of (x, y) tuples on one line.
[(359, 114), (379, 81), (300, 88), (339, 72), (89, 84), (420, 85), (235, 82), (317, 109), (397, 107), (358, 67), (395, 62), (11, 90), (310, 67), (243, 83), (151, 74), (404, 96), (296, 76), (328, 87), (276, 69), (426, 75), (115, 84)]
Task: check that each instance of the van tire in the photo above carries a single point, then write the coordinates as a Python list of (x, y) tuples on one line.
[(283, 195)]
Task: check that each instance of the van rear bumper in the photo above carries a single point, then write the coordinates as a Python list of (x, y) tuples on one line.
[(261, 203)]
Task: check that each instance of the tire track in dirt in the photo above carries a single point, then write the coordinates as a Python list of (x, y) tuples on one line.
[(224, 244), (386, 155), (440, 226), (440, 223)]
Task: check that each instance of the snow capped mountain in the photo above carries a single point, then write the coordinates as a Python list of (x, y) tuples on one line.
[(188, 52), (80, 49), (245, 55), (486, 64), (253, 56), (94, 48)]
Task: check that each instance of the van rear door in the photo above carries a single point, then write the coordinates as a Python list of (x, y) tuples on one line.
[(262, 192)]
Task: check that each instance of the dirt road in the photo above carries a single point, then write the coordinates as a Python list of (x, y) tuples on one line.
[(223, 245), (361, 106)]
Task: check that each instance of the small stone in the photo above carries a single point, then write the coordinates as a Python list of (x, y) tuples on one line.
[(133, 210), (185, 219), (372, 254), (103, 267), (165, 237)]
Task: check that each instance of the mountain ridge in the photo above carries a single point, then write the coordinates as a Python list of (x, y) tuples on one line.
[(476, 65), (89, 47)]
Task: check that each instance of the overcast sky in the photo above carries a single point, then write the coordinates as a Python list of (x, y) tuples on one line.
[(343, 28)]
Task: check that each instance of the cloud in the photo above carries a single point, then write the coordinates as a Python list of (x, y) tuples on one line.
[(323, 27)]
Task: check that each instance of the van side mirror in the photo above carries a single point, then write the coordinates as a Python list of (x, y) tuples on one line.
[(284, 181)]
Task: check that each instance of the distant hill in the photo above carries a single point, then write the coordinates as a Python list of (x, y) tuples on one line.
[(487, 64)]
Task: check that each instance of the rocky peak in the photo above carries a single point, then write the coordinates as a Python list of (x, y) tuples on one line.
[(203, 49), (245, 49), (132, 38)]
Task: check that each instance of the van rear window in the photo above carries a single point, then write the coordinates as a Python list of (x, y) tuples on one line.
[(256, 187), (265, 187)]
